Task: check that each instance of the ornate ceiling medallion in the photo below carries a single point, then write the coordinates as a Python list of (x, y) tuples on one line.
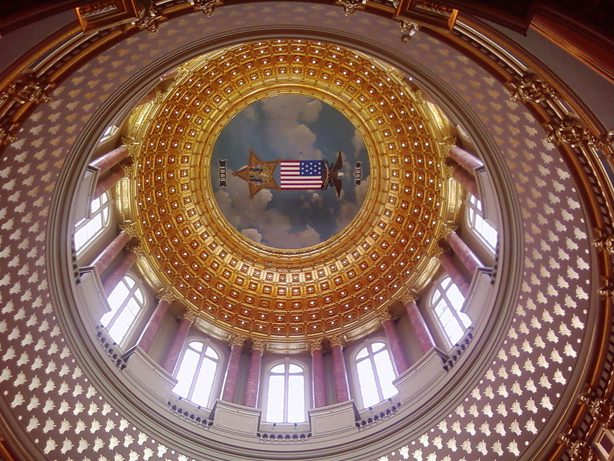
[(288, 296)]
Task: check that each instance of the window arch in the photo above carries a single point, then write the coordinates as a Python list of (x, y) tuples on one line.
[(482, 228), (285, 398), (196, 373), (447, 302), (375, 373), (126, 301), (88, 229)]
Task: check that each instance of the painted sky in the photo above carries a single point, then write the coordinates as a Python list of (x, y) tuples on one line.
[(290, 127)]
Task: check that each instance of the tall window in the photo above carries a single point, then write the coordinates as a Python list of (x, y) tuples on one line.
[(285, 401), (480, 226), (126, 302), (375, 373), (447, 301), (196, 373), (88, 229)]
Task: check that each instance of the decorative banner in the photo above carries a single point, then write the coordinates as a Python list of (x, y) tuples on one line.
[(292, 171)]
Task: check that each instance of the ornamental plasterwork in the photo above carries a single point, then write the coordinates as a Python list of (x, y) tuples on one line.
[(289, 295)]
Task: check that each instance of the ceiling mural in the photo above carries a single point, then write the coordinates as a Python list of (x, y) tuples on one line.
[(292, 171)]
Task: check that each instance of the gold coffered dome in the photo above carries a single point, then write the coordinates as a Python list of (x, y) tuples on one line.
[(239, 286)]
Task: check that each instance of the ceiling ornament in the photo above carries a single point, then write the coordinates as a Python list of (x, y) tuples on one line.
[(289, 296)]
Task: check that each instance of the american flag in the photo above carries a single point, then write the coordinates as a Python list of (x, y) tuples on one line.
[(301, 174)]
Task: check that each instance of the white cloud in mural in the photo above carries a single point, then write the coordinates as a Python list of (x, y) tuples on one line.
[(285, 128), (349, 209), (252, 234), (273, 228)]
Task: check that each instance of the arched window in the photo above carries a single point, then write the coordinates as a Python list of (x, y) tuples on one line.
[(196, 373), (88, 229), (285, 401), (375, 373), (481, 227), (126, 301), (447, 301)]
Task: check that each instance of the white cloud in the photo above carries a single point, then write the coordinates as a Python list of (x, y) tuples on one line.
[(349, 209), (254, 220), (252, 234), (357, 142), (285, 127)]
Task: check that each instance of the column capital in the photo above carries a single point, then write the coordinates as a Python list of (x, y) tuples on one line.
[(439, 251), (407, 295), (167, 294), (138, 249), (132, 145), (336, 341), (258, 345), (446, 229), (127, 169), (315, 345), (189, 315), (129, 227), (236, 340), (383, 315)]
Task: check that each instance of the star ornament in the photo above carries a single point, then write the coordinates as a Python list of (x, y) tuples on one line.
[(258, 174)]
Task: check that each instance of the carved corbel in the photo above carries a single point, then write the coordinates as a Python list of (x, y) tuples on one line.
[(150, 18), (207, 6), (349, 6), (408, 30)]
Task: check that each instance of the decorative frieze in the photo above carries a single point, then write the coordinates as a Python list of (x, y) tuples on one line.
[(206, 6), (578, 450), (27, 88), (601, 409), (529, 87), (605, 243)]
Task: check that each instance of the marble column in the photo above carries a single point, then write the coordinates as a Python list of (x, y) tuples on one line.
[(466, 180), (107, 161), (232, 372), (394, 344), (342, 389), (109, 180), (113, 249), (419, 326), (462, 251), (172, 355), (466, 160), (113, 277), (253, 377), (151, 329), (317, 373), (457, 276)]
